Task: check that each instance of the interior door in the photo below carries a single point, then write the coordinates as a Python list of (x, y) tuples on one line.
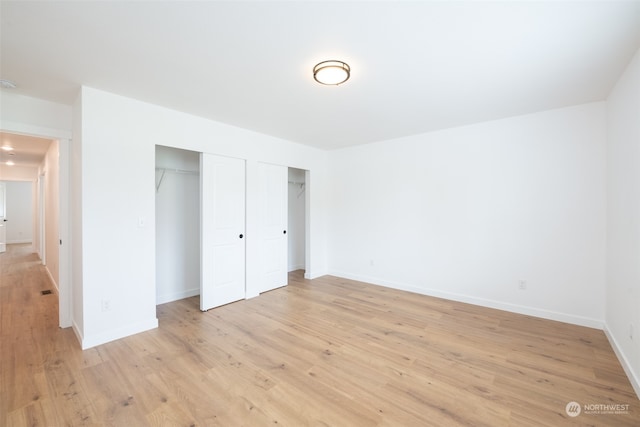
[(273, 225), (3, 217), (222, 218)]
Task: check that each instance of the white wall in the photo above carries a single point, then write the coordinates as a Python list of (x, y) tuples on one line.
[(467, 213), (118, 141), (18, 173), (44, 119), (36, 117), (51, 171), (623, 220), (177, 224), (19, 211), (75, 208), (296, 220)]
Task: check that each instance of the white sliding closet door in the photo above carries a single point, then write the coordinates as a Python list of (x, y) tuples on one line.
[(273, 225), (222, 217)]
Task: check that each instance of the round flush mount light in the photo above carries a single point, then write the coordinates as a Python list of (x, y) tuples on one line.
[(7, 84), (331, 72)]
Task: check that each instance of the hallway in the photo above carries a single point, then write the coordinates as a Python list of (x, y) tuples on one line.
[(29, 333)]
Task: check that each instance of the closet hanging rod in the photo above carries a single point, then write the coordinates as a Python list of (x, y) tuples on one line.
[(301, 184), (184, 171), (178, 171)]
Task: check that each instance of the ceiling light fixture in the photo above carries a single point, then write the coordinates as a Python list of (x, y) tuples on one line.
[(10, 163), (7, 84), (7, 148), (331, 72)]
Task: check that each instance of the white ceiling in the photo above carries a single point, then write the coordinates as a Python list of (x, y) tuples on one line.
[(27, 150), (416, 66)]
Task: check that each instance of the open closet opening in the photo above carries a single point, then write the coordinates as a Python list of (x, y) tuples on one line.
[(297, 188), (177, 224)]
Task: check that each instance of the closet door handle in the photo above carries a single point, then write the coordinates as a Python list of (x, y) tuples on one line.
[(241, 236), (284, 232)]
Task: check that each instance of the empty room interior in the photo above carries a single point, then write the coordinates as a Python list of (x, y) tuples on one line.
[(320, 213)]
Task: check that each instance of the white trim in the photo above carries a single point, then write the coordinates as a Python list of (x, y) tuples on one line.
[(310, 275), (55, 285), (41, 219), (64, 249), (57, 291), (513, 308), (633, 378), (76, 330), (307, 222), (17, 242), (175, 296), (295, 267), (40, 131), (116, 334), (64, 260)]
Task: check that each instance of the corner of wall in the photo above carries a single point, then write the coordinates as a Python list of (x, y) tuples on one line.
[(622, 300), (633, 378), (115, 334)]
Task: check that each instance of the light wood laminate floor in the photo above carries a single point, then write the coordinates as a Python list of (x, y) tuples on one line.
[(327, 352)]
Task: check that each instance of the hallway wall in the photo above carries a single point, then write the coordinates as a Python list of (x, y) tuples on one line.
[(51, 169)]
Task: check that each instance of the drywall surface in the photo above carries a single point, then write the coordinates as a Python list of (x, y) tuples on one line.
[(478, 212), (623, 220), (118, 141), (51, 172)]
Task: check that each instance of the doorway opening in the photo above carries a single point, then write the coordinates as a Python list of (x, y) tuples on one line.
[(177, 224), (297, 189), (18, 214), (38, 182)]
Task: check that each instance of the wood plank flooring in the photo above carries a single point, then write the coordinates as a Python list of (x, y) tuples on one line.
[(327, 352)]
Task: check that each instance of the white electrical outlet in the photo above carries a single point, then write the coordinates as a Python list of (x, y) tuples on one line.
[(522, 285), (371, 263), (105, 305), (630, 331)]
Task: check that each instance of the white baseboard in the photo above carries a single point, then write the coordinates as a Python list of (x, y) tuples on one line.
[(633, 378), (115, 334), (530, 311), (499, 305), (77, 332), (310, 275), (19, 241), (295, 267), (175, 296), (51, 279)]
